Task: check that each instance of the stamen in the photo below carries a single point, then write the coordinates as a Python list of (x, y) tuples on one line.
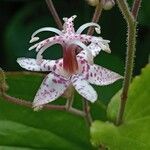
[(73, 17), (104, 47), (65, 19), (39, 54), (102, 43), (34, 39), (86, 25), (98, 31), (34, 46)]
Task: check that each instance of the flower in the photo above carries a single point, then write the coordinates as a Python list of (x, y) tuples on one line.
[(58, 80), (66, 38)]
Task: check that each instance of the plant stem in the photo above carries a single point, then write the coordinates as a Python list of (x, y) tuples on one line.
[(54, 13), (76, 112), (70, 108), (131, 41), (70, 98), (28, 104), (135, 8), (96, 16), (86, 109)]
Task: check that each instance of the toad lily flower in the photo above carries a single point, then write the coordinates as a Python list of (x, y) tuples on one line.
[(57, 81), (68, 37)]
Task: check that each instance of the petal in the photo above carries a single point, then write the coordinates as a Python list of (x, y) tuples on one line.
[(32, 65), (102, 76), (68, 26), (84, 88), (51, 88), (56, 66), (91, 52), (85, 55), (103, 44), (94, 49), (48, 65), (29, 64), (86, 25), (33, 38), (47, 42)]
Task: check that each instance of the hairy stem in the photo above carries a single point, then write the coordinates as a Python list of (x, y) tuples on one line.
[(135, 8), (54, 13), (96, 16), (131, 41)]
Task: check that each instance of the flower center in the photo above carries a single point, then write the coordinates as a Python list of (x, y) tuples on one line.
[(70, 63)]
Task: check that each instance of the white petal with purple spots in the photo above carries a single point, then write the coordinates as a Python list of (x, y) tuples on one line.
[(33, 65), (101, 76), (84, 88), (51, 88), (29, 64)]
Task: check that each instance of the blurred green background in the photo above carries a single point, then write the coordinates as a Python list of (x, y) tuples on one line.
[(20, 18)]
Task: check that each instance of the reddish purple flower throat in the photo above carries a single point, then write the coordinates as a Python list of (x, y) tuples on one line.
[(70, 63)]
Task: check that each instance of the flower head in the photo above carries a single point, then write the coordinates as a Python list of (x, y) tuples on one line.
[(70, 41), (58, 80), (76, 69)]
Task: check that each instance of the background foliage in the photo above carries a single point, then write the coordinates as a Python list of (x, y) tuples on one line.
[(21, 18), (133, 133)]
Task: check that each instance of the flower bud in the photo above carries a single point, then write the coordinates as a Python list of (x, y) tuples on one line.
[(93, 2), (108, 4)]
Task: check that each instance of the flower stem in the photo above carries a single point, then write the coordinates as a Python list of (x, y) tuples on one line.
[(70, 100), (131, 41), (54, 13), (86, 109), (76, 112), (135, 8), (96, 16), (28, 104)]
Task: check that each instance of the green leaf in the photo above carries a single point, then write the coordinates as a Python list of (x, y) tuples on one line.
[(47, 129), (134, 132)]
